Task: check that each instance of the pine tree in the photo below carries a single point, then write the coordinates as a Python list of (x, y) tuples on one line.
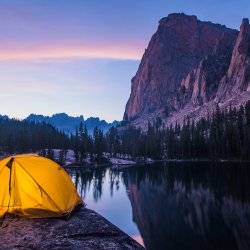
[(99, 143), (76, 145), (82, 143)]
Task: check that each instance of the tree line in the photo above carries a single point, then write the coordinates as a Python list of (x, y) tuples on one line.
[(224, 135), (22, 137), (85, 145)]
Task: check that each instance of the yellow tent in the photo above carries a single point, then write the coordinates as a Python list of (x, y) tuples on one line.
[(35, 187)]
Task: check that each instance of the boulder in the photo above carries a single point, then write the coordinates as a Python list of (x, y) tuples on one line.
[(84, 229)]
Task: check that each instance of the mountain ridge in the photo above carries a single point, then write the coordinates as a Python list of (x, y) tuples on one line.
[(68, 124), (189, 68)]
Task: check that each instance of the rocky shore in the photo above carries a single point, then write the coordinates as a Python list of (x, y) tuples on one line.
[(85, 229)]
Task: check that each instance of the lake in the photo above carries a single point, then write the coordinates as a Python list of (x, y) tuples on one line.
[(175, 206)]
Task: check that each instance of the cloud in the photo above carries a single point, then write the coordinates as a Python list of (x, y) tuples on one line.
[(67, 52)]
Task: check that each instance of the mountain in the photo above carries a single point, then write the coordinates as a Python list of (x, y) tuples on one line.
[(189, 68), (68, 124)]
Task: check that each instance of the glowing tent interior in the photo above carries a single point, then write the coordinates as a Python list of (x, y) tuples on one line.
[(35, 187)]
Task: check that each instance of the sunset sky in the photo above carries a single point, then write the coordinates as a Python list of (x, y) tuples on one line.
[(78, 56)]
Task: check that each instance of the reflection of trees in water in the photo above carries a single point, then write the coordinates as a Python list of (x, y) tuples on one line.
[(83, 179), (227, 179), (191, 207), (97, 184), (114, 180)]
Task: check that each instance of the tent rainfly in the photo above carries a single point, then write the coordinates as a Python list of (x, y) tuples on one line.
[(35, 187)]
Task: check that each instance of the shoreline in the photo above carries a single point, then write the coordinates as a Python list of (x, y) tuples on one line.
[(140, 163)]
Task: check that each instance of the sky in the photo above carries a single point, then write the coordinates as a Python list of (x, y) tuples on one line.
[(78, 56)]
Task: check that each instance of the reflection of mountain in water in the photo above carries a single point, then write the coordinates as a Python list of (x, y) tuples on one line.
[(188, 207)]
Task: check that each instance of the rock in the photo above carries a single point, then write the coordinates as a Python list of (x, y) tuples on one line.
[(188, 68), (237, 78), (120, 161), (85, 229)]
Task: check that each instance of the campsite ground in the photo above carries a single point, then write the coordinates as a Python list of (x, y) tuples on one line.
[(85, 229)]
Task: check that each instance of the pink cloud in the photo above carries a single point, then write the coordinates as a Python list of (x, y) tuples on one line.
[(59, 52)]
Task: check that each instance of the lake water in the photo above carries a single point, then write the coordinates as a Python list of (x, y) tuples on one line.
[(174, 206)]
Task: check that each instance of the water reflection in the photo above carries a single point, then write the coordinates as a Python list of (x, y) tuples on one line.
[(84, 179), (177, 206)]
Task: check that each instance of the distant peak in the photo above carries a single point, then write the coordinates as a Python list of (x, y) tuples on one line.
[(60, 114), (245, 21), (178, 16), (245, 27), (181, 15), (93, 118)]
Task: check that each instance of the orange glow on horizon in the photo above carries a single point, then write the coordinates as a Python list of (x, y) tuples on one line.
[(121, 53)]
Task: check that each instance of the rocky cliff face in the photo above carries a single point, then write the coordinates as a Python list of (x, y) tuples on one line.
[(189, 68), (237, 78)]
